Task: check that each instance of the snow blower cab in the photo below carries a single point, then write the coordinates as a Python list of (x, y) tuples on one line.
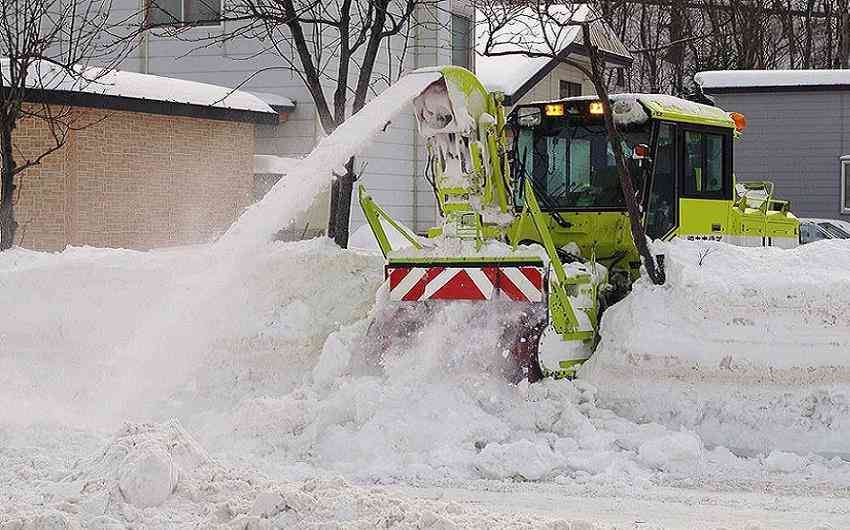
[(680, 157), (533, 210)]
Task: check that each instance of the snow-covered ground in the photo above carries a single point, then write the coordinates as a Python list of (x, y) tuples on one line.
[(233, 385), (161, 390)]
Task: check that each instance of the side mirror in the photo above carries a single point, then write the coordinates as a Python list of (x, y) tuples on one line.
[(640, 152)]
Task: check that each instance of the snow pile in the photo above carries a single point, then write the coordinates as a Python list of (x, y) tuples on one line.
[(745, 346), (293, 393), (92, 337), (156, 475)]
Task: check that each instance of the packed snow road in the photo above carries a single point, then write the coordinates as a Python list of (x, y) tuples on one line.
[(163, 390)]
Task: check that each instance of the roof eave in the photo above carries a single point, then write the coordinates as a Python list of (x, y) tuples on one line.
[(147, 106), (774, 88), (285, 108), (573, 49)]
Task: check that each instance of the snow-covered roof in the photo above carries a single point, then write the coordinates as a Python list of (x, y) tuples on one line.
[(274, 100), (141, 87), (520, 30), (762, 79)]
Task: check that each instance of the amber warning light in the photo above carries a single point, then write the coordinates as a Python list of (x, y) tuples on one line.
[(595, 107), (740, 121), (555, 109)]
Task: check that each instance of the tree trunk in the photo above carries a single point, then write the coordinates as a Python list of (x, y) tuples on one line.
[(655, 272), (8, 225), (844, 36), (341, 211)]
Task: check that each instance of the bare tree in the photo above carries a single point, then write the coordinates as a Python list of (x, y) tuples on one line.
[(543, 29), (673, 39), (45, 45), (333, 47)]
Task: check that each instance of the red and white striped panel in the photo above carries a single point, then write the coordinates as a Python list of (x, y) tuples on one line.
[(522, 284)]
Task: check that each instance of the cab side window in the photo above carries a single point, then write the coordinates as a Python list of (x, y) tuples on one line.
[(662, 208), (706, 171)]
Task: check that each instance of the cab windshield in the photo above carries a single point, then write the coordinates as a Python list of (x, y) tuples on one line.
[(572, 165)]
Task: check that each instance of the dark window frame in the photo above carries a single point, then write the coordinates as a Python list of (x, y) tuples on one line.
[(571, 86), (456, 51), (181, 20), (686, 191), (650, 182)]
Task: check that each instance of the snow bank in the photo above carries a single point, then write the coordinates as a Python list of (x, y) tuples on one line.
[(745, 346), (91, 336), (289, 397)]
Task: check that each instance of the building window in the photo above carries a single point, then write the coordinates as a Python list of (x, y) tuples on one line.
[(845, 186), (569, 89), (461, 49), (180, 12)]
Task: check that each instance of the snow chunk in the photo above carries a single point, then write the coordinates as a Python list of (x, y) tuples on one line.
[(268, 504), (782, 462), (148, 476), (522, 459), (679, 452), (144, 461)]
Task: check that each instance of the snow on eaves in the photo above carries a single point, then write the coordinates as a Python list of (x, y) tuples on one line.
[(719, 79), (522, 32), (274, 100), (133, 85)]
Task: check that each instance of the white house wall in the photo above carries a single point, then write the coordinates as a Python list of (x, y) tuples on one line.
[(549, 87), (394, 165)]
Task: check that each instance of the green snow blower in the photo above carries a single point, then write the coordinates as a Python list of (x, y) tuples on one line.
[(533, 212)]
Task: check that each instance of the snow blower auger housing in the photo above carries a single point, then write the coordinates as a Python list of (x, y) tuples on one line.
[(533, 210)]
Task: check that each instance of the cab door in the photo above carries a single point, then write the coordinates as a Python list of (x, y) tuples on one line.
[(662, 208), (705, 181)]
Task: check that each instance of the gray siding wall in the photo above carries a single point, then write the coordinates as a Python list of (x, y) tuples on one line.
[(794, 139)]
